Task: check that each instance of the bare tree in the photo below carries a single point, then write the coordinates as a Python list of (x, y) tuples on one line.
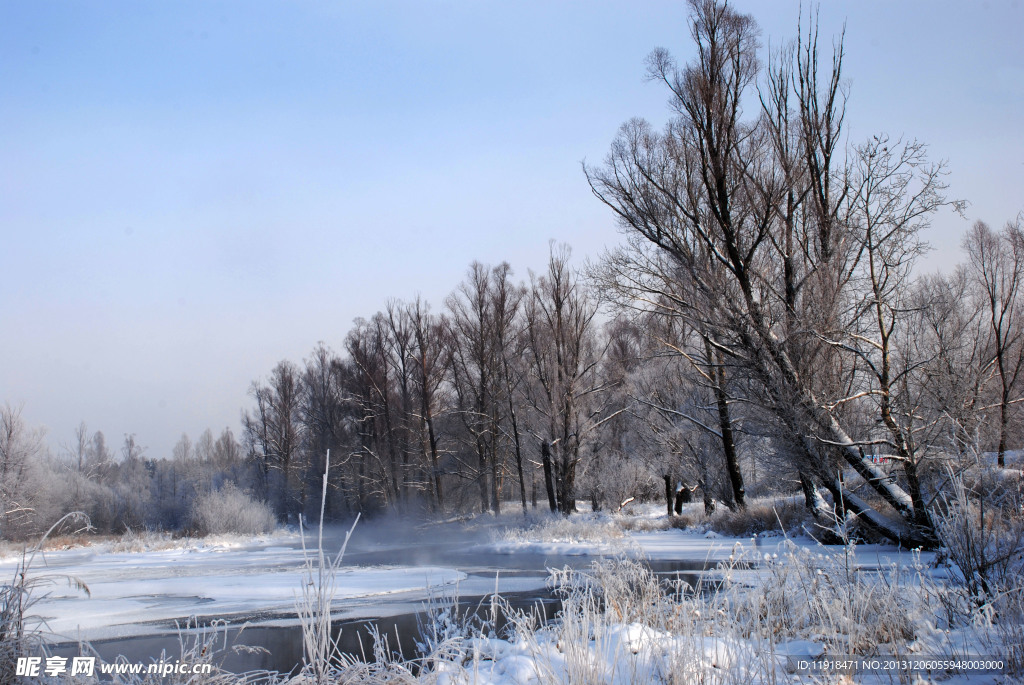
[(132, 486), (997, 267), (509, 347), (400, 342), (19, 447), (274, 434), (369, 396), (77, 455), (894, 189), (713, 194), (322, 414), (952, 341), (430, 358), (564, 357), (476, 376)]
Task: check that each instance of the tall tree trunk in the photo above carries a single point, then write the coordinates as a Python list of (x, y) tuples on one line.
[(481, 452), (435, 467), (810, 493), (732, 463), (361, 483), (392, 452), (495, 480), (709, 501), (519, 454), (545, 455), (921, 516), (566, 502), (1004, 420), (566, 482), (682, 496), (669, 494)]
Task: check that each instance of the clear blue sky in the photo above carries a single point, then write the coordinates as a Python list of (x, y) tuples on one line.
[(192, 191)]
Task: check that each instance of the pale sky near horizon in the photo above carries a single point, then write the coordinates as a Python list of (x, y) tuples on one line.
[(191, 191)]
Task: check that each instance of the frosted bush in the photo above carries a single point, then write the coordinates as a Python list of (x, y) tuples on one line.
[(982, 531), (230, 510), (579, 528), (760, 516)]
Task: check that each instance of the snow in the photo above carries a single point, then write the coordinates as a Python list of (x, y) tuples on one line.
[(709, 547), (133, 593), (145, 592), (570, 549), (622, 654)]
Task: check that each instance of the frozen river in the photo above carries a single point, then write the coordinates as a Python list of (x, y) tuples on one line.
[(135, 593), (137, 600)]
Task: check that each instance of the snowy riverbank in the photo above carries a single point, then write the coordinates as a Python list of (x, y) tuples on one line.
[(766, 602)]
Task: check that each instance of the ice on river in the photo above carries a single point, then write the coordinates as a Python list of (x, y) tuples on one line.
[(132, 593), (136, 593)]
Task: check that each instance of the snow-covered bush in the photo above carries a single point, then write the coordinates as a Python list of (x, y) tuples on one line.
[(643, 524), (230, 510), (983, 540), (759, 516), (580, 528), (802, 592)]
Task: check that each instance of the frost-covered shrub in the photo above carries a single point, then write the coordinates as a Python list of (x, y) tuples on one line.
[(620, 623), (230, 510), (616, 479), (782, 515), (760, 516), (21, 632), (982, 536), (803, 592), (687, 520), (581, 528), (640, 524)]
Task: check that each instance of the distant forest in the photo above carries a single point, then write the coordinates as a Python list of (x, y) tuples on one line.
[(761, 330)]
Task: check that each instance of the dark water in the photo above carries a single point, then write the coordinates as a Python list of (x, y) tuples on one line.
[(283, 644), (377, 546)]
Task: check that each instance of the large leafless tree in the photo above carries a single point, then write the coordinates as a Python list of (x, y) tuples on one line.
[(996, 263), (765, 231)]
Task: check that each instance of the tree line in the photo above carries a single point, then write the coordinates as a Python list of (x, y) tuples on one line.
[(497, 397), (119, 488)]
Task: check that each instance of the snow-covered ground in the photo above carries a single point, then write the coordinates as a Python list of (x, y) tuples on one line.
[(577, 537), (782, 604)]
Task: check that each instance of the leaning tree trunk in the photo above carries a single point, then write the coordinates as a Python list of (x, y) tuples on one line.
[(802, 411)]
